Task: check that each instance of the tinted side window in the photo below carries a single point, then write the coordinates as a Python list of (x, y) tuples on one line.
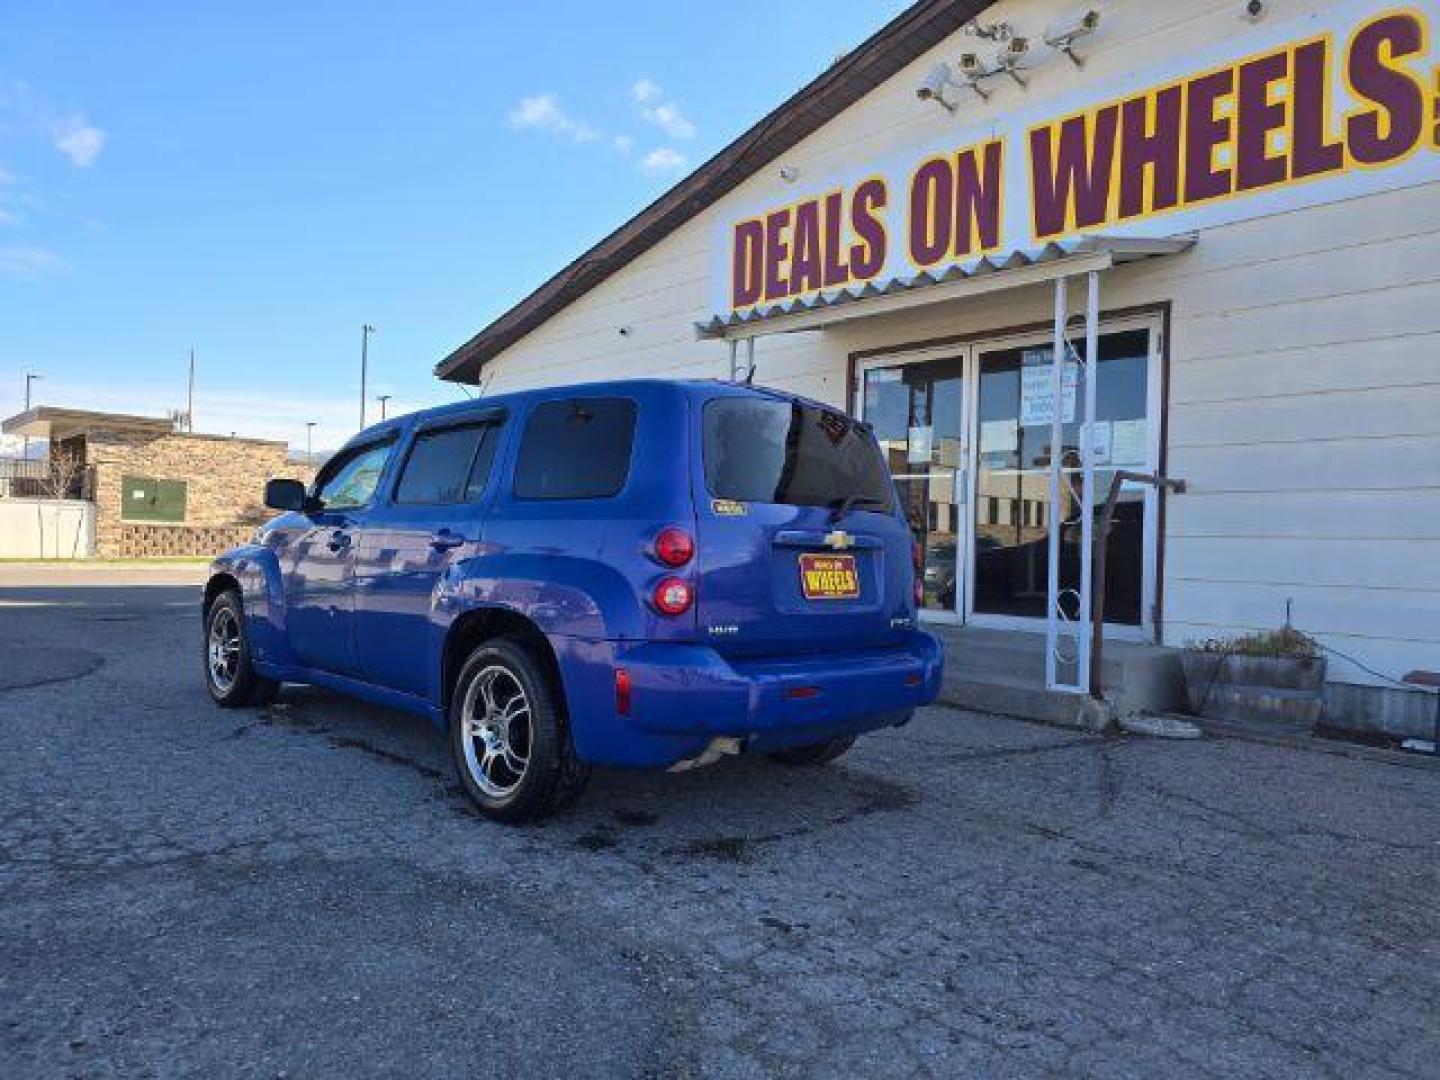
[(577, 449), (349, 481), (440, 465)]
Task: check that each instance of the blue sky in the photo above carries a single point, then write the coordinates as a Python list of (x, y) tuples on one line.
[(259, 180)]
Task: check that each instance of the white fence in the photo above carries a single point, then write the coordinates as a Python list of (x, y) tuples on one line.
[(46, 529)]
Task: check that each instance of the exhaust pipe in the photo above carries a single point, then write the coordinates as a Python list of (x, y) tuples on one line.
[(718, 748)]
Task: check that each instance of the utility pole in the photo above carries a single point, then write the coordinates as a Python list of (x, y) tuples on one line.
[(190, 396), (309, 448), (365, 331), (383, 398), (29, 378)]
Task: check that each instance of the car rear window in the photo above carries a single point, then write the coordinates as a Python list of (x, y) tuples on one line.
[(788, 452), (576, 449), (448, 466)]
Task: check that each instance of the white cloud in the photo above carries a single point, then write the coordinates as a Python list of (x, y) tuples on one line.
[(78, 140), (668, 118), (23, 261), (665, 115), (644, 91), (68, 131), (543, 112), (623, 144), (663, 159)]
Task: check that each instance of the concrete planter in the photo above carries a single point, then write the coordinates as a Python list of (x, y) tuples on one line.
[(1283, 690)]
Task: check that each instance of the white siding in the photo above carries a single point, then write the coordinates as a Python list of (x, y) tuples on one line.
[(1304, 395)]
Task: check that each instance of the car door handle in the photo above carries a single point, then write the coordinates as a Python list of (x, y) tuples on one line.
[(444, 540), (339, 541)]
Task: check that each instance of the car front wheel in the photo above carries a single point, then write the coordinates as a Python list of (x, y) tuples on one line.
[(509, 736), (229, 675)]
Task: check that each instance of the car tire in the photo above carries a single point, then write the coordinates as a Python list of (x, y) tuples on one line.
[(513, 771), (230, 676), (820, 753)]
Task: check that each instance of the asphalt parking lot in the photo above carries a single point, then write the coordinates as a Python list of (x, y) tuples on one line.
[(302, 891)]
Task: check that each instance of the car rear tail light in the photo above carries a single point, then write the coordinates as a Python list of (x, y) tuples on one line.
[(673, 596), (674, 547), (622, 691), (797, 692)]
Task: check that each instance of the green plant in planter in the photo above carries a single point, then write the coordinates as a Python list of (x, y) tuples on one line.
[(1270, 675), (1287, 641)]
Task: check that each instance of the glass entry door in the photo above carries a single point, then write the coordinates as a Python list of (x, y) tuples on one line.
[(918, 411), (966, 431), (1015, 403)]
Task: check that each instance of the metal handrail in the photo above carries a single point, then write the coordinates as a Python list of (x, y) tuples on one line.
[(1097, 583)]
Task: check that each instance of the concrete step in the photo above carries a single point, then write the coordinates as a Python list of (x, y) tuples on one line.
[(1003, 671), (1010, 696)]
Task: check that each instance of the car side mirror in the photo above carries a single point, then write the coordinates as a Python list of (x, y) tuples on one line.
[(285, 494)]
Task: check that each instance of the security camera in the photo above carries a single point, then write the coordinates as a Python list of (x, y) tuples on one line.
[(973, 70), (1063, 34), (993, 32), (1009, 61), (789, 173), (1076, 26), (934, 86), (1254, 11)]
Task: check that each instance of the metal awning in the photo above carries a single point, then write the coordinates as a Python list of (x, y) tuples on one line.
[(1021, 267)]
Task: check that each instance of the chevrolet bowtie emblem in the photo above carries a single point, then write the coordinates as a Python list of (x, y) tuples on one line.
[(839, 540)]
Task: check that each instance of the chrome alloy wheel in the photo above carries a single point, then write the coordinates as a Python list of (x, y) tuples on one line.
[(496, 715), (223, 649)]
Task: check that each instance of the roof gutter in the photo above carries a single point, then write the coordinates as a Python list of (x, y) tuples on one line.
[(912, 33)]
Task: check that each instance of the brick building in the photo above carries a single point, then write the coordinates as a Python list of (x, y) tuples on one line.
[(157, 491)]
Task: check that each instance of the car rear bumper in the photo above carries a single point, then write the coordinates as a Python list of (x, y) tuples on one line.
[(684, 696)]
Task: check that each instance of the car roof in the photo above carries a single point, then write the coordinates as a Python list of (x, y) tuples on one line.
[(642, 388)]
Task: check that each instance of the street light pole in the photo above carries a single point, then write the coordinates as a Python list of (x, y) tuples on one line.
[(365, 331), (29, 378), (309, 448), (383, 398)]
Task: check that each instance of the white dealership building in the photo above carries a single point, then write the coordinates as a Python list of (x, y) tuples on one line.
[(1225, 215)]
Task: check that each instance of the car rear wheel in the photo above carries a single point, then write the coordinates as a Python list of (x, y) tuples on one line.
[(818, 753), (509, 736), (229, 675)]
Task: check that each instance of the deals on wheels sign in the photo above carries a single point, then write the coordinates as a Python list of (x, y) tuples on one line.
[(1323, 108)]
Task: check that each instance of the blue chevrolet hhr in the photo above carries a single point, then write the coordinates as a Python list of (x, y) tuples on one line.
[(646, 573)]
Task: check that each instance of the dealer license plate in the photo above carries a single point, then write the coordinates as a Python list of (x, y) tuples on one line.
[(829, 577)]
